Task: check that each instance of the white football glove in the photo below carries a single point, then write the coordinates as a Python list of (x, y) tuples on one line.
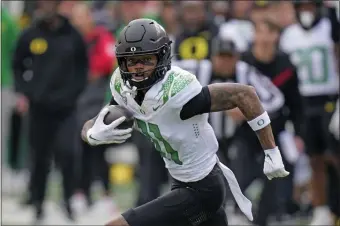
[(273, 165), (107, 134)]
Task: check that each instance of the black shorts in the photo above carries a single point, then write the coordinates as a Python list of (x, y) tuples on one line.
[(318, 139), (187, 204)]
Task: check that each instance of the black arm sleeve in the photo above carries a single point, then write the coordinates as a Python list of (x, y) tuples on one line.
[(200, 104), (335, 24), (113, 102)]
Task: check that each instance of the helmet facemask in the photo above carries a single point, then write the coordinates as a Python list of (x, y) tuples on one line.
[(162, 66)]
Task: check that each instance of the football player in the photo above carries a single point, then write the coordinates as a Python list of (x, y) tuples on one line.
[(171, 108), (312, 43)]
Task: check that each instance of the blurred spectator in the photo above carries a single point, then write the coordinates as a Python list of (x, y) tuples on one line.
[(276, 65), (240, 31), (15, 8), (66, 7), (245, 150), (100, 47), (169, 18), (312, 44), (50, 66), (240, 9), (220, 11), (284, 13), (9, 34), (129, 10), (197, 31), (239, 27), (104, 15), (261, 10)]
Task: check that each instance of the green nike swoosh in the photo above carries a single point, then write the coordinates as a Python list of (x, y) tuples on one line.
[(155, 108)]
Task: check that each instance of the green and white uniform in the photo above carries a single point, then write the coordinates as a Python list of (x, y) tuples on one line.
[(312, 52), (188, 147)]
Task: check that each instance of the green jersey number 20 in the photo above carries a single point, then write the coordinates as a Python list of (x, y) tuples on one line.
[(312, 64), (152, 131)]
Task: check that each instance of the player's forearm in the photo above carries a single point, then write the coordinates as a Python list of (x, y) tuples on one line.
[(226, 96)]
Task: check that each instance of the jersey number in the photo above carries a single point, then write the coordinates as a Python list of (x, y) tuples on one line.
[(152, 132), (312, 64)]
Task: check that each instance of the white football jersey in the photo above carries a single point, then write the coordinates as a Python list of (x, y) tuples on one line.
[(312, 52), (188, 147)]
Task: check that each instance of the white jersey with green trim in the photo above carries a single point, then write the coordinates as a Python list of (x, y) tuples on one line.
[(188, 147), (313, 54)]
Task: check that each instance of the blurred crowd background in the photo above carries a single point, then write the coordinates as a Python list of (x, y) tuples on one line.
[(55, 75)]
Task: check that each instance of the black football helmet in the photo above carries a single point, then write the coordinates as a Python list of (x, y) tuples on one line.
[(314, 19), (144, 37)]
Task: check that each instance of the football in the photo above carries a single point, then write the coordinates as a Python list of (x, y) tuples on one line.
[(115, 112)]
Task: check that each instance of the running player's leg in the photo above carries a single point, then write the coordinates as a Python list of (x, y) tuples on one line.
[(219, 219), (166, 210), (315, 150), (187, 204)]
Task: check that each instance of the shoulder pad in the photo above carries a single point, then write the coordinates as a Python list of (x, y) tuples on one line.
[(181, 80), (116, 81), (176, 81)]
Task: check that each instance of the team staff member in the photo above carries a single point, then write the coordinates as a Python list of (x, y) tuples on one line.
[(245, 159), (50, 66), (197, 31), (275, 64), (265, 56), (313, 44)]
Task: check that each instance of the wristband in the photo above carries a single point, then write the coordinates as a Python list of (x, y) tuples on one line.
[(260, 121)]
